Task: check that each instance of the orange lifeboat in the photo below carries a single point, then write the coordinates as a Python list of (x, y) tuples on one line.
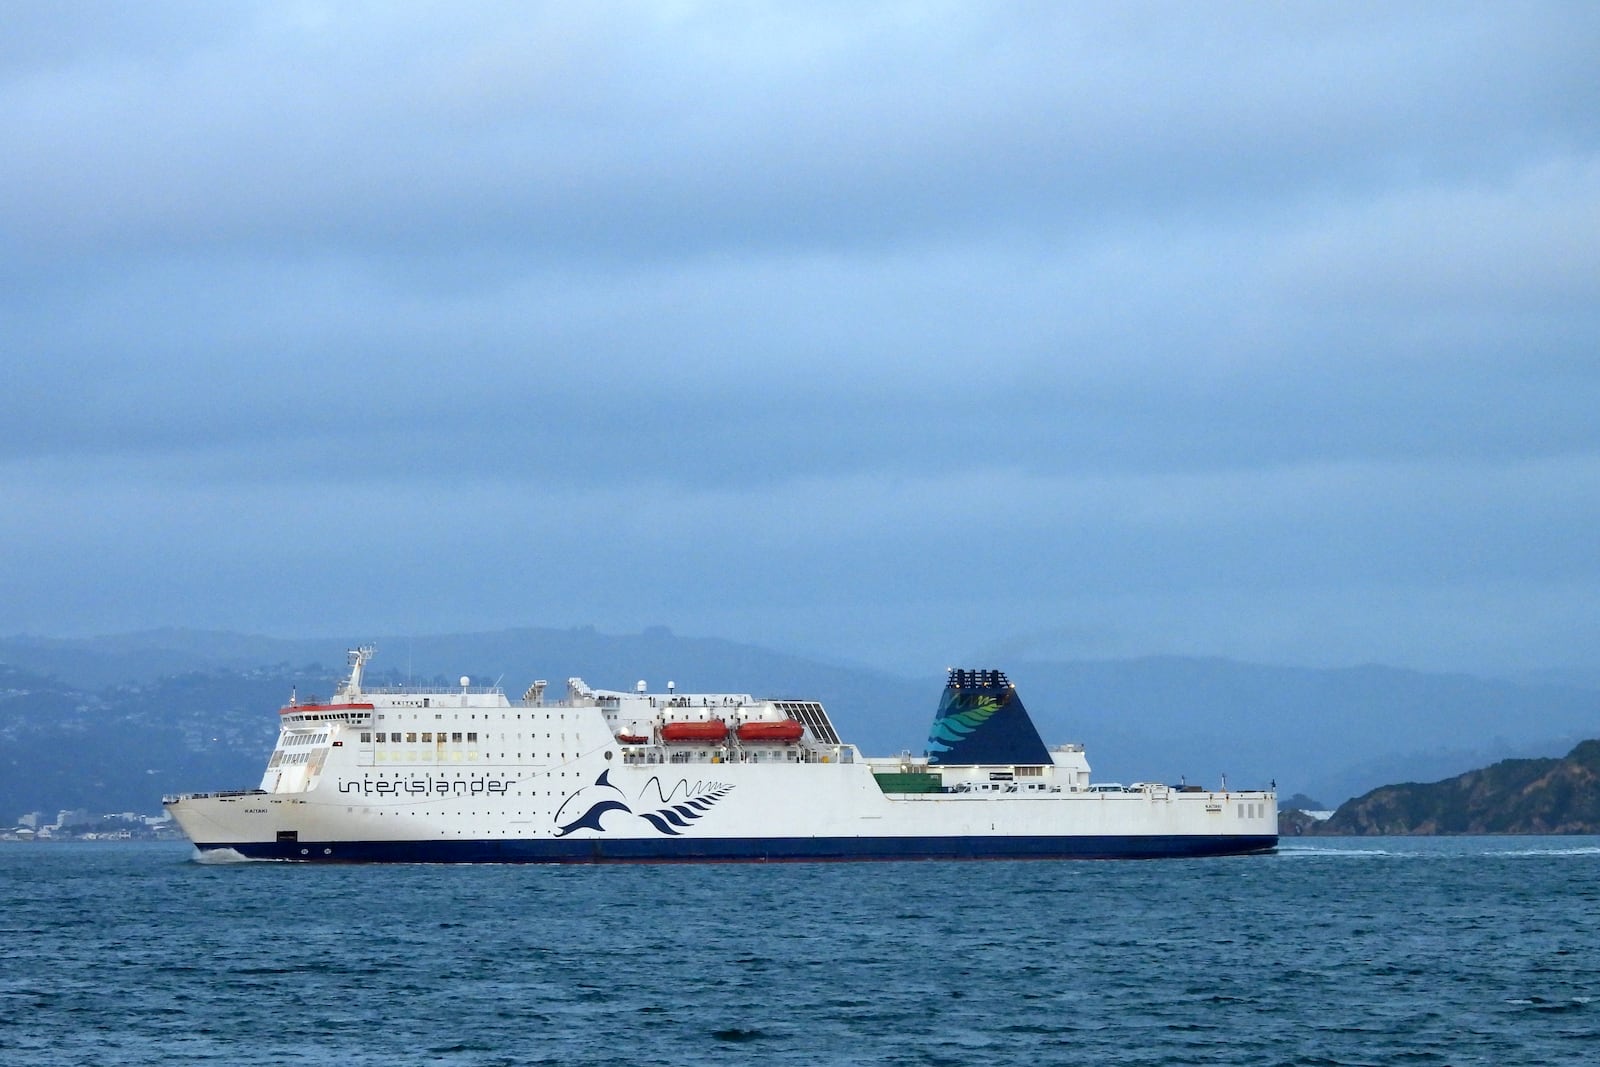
[(709, 732), (786, 731), (631, 739)]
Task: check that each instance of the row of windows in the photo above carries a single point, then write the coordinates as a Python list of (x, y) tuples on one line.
[(1252, 811), (486, 717), (426, 756), (471, 775), (426, 737)]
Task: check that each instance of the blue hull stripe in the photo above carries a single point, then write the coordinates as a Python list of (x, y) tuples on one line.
[(751, 849)]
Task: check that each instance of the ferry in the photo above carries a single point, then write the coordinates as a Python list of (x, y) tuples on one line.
[(463, 774)]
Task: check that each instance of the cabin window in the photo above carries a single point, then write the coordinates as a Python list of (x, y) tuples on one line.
[(366, 738), (427, 737), (455, 736), (411, 737), (472, 737)]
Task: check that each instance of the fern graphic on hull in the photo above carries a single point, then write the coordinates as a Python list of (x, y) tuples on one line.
[(674, 810)]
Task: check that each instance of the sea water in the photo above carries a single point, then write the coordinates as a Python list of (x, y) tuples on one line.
[(1352, 951)]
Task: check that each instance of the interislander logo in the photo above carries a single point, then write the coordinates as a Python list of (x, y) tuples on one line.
[(672, 811), (426, 785)]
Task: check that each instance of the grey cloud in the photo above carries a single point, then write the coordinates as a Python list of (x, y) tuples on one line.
[(1227, 326), (576, 133)]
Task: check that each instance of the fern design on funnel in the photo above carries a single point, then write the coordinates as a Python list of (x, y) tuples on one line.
[(953, 727)]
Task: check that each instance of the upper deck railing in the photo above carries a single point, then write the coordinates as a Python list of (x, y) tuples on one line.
[(432, 690)]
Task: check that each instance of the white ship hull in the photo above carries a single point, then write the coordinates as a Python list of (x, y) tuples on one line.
[(468, 776)]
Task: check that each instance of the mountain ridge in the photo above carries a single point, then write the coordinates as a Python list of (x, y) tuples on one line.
[(1334, 733), (1514, 796)]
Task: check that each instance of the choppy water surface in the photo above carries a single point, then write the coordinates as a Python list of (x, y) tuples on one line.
[(1451, 951)]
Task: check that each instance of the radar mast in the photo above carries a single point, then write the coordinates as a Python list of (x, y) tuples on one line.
[(358, 661)]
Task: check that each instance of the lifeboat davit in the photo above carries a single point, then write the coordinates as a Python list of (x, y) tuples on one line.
[(786, 731), (711, 730)]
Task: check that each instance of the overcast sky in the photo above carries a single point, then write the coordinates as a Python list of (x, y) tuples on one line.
[(909, 334)]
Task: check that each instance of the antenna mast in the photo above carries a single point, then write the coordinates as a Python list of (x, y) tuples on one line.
[(357, 658)]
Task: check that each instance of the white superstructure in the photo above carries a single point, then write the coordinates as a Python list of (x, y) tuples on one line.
[(465, 774)]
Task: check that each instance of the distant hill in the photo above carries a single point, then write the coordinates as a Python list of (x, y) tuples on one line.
[(879, 709), (121, 747), (113, 722), (1517, 796), (1332, 734)]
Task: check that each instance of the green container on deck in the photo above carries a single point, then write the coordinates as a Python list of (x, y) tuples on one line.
[(914, 782)]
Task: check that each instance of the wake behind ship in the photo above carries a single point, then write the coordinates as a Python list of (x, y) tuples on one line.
[(464, 775)]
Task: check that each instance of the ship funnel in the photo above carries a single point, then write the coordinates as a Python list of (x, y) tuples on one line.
[(981, 720)]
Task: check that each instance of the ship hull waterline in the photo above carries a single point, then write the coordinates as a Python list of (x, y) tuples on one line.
[(753, 850)]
